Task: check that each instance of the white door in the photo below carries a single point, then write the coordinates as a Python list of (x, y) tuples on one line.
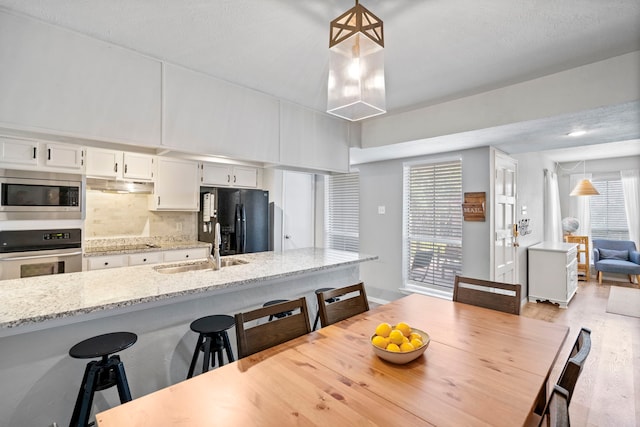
[(298, 210), (505, 195)]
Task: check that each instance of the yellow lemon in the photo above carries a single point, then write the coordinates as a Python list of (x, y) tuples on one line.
[(415, 336), (405, 339), (405, 346), (404, 328), (396, 337), (393, 347), (379, 341), (416, 343), (383, 329)]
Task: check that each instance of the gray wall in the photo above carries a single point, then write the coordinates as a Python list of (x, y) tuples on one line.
[(531, 168), (381, 234)]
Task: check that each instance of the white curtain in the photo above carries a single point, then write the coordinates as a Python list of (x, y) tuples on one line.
[(631, 188), (552, 217)]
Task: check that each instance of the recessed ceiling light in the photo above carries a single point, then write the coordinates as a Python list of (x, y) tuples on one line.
[(577, 133)]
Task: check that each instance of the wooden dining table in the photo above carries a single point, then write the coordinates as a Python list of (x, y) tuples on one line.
[(481, 368)]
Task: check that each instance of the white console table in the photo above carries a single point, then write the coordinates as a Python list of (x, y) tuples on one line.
[(553, 272)]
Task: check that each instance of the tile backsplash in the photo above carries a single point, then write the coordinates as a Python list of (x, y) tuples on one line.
[(127, 215)]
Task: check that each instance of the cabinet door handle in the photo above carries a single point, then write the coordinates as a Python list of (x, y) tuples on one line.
[(106, 263), (34, 152), (115, 167), (158, 200), (228, 178), (144, 260), (125, 168), (186, 256), (48, 153), (234, 179)]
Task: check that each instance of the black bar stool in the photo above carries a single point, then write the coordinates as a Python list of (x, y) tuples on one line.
[(329, 301), (212, 339), (100, 374), (277, 315)]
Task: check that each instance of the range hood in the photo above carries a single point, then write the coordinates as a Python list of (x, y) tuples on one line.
[(111, 186)]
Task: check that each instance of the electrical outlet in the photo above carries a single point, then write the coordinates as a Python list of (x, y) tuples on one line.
[(381, 210), (178, 226)]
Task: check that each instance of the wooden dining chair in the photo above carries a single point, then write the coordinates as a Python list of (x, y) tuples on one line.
[(484, 293), (343, 308), (268, 334), (575, 362), (569, 376)]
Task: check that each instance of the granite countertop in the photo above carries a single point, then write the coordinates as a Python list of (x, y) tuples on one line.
[(100, 247), (39, 299)]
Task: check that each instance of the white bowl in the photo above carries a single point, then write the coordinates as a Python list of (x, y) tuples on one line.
[(406, 357)]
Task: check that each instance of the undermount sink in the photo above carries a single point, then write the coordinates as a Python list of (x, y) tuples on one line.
[(194, 266)]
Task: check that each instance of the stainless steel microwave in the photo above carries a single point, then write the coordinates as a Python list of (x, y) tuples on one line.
[(39, 195)]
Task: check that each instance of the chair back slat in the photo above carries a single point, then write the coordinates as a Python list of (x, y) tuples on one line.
[(499, 296), (265, 335), (344, 307)]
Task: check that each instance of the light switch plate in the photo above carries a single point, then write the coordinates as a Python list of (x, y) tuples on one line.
[(381, 210)]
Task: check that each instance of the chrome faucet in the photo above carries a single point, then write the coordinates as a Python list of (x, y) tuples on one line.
[(216, 248)]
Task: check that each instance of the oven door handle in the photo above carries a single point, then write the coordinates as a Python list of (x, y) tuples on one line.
[(22, 258)]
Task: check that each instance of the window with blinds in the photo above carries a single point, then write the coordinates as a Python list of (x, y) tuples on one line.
[(342, 210), (608, 217), (433, 223)]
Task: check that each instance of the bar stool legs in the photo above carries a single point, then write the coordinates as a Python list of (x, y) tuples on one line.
[(100, 374), (212, 340)]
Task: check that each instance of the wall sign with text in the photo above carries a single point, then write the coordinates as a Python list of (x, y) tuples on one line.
[(473, 207)]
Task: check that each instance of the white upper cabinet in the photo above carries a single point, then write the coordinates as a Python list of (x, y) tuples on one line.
[(18, 152), (177, 185), (60, 82), (229, 176), (313, 140), (23, 153), (113, 164), (63, 156), (209, 116)]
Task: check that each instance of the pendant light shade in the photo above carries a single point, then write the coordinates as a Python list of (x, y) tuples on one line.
[(356, 88), (584, 188)]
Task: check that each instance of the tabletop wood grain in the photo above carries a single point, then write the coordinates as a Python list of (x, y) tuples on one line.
[(482, 368)]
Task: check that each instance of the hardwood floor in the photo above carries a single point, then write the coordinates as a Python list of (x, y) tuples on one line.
[(608, 390)]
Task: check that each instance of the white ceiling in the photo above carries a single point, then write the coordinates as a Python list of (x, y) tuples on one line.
[(434, 50)]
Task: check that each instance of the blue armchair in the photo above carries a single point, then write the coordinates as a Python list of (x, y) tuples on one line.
[(616, 256)]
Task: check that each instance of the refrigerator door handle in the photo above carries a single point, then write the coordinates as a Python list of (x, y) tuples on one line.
[(238, 227), (244, 228)]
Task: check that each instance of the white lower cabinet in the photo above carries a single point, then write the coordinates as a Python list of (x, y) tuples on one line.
[(145, 258), (155, 257), (185, 254), (107, 261), (553, 272)]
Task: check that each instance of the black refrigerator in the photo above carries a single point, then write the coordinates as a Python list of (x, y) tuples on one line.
[(243, 216)]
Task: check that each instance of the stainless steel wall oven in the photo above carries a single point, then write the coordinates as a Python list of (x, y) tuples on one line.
[(28, 253)]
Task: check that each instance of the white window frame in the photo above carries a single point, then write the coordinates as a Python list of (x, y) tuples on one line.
[(434, 289), (342, 212)]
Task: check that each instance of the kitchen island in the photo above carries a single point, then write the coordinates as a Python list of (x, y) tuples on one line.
[(42, 317)]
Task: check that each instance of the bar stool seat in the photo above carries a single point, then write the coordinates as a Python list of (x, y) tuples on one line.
[(102, 374), (329, 301), (212, 339), (277, 315)]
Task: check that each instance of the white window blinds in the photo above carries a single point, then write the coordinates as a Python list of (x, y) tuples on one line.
[(342, 210), (433, 223), (608, 217)]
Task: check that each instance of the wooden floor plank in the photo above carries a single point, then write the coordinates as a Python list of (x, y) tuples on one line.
[(608, 391)]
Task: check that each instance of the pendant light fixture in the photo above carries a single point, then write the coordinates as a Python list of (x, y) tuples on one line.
[(584, 187), (356, 87)]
